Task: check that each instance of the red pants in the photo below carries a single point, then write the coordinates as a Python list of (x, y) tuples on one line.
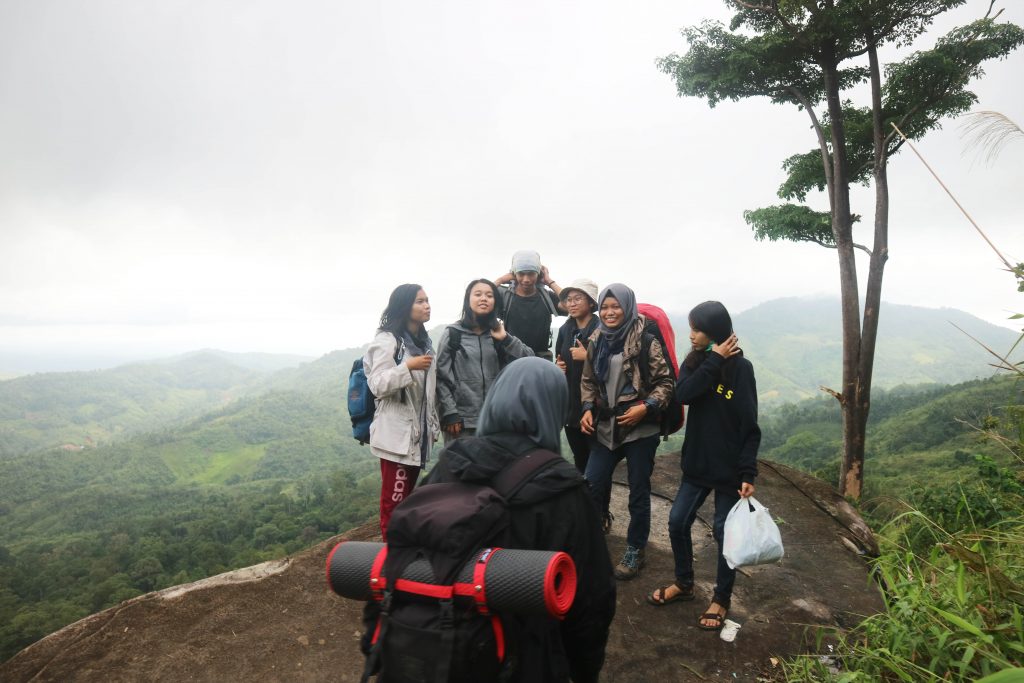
[(397, 481)]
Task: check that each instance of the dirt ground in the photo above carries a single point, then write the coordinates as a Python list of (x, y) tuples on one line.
[(279, 622)]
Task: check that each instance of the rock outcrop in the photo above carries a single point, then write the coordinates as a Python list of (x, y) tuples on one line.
[(278, 622)]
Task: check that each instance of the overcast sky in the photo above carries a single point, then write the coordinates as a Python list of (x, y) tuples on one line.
[(258, 176)]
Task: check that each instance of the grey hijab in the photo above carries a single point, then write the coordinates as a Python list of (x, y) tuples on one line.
[(613, 340), (526, 407)]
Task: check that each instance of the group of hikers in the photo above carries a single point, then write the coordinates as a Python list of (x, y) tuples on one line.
[(495, 390)]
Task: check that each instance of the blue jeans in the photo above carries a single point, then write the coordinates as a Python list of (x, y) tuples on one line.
[(684, 511), (639, 457)]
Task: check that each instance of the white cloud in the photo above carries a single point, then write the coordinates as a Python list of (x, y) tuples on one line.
[(259, 176)]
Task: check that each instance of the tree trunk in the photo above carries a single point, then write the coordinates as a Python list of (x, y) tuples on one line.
[(842, 229)]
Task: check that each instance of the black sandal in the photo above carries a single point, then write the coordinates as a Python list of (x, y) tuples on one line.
[(711, 616), (684, 595)]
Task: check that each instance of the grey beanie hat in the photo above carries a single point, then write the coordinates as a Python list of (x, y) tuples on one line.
[(525, 261), (588, 287)]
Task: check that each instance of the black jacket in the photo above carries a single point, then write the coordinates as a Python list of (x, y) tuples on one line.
[(567, 336), (554, 511), (722, 436)]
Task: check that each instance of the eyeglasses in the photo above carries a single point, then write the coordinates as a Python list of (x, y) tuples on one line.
[(575, 299)]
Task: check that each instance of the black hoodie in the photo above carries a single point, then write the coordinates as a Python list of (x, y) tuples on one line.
[(722, 436), (553, 511)]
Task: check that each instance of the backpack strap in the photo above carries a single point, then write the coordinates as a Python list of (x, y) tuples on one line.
[(508, 293), (521, 470), (645, 357), (399, 355), (552, 309), (454, 348)]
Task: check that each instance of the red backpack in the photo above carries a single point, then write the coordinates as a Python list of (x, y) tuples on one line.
[(660, 327)]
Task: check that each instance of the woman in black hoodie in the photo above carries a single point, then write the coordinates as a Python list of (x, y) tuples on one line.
[(719, 452), (524, 411)]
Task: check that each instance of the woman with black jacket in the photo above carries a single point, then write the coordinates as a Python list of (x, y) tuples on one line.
[(523, 412), (580, 300), (719, 452)]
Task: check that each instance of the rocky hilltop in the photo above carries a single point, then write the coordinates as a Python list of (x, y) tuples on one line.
[(278, 622)]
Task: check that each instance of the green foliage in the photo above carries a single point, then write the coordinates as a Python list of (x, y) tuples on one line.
[(88, 408), (955, 610), (788, 52), (258, 479), (796, 346), (791, 222), (911, 431)]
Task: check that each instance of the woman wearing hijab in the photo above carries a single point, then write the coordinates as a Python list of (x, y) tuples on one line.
[(621, 407), (472, 352), (523, 412), (401, 374)]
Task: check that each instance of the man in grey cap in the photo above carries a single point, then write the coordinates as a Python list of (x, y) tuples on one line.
[(529, 301)]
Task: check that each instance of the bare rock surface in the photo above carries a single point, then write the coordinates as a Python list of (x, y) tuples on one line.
[(278, 622)]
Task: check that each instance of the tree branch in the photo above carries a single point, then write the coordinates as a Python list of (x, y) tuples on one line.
[(826, 161), (833, 246), (835, 394)]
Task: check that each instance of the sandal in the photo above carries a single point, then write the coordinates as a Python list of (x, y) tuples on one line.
[(717, 617), (658, 599)]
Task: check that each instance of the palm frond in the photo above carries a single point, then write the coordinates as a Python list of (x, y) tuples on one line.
[(988, 132)]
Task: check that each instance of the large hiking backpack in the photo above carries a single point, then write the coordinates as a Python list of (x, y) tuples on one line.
[(362, 404), (658, 326), (427, 631)]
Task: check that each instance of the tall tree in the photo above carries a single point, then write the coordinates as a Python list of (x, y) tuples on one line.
[(817, 55)]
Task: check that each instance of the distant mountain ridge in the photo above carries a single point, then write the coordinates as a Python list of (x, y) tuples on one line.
[(796, 346), (89, 407)]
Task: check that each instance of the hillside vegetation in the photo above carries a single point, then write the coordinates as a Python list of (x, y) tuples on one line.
[(796, 346), (201, 465)]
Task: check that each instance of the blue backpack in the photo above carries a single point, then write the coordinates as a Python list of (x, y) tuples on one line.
[(361, 402)]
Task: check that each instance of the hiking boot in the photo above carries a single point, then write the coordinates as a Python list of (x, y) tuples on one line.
[(630, 564), (606, 523)]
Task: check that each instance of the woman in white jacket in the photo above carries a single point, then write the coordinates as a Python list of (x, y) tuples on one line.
[(401, 373)]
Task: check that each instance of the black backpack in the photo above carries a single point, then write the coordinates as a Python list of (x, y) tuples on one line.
[(423, 635)]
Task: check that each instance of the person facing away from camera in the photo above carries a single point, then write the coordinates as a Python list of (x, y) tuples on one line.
[(623, 393), (401, 374), (529, 299), (471, 352), (719, 452), (524, 412)]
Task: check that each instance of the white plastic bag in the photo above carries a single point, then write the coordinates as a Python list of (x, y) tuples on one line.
[(751, 536)]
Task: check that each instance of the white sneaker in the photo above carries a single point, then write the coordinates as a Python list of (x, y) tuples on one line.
[(729, 630)]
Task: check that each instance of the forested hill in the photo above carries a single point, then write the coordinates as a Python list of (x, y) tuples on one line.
[(796, 346), (84, 409)]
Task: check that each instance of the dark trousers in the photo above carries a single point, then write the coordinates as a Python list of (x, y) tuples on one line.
[(579, 444), (680, 520), (639, 457)]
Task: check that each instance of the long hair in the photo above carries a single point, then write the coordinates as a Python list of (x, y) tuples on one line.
[(396, 316), (471, 319), (711, 318)]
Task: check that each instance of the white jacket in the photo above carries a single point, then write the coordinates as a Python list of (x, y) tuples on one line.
[(397, 424)]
